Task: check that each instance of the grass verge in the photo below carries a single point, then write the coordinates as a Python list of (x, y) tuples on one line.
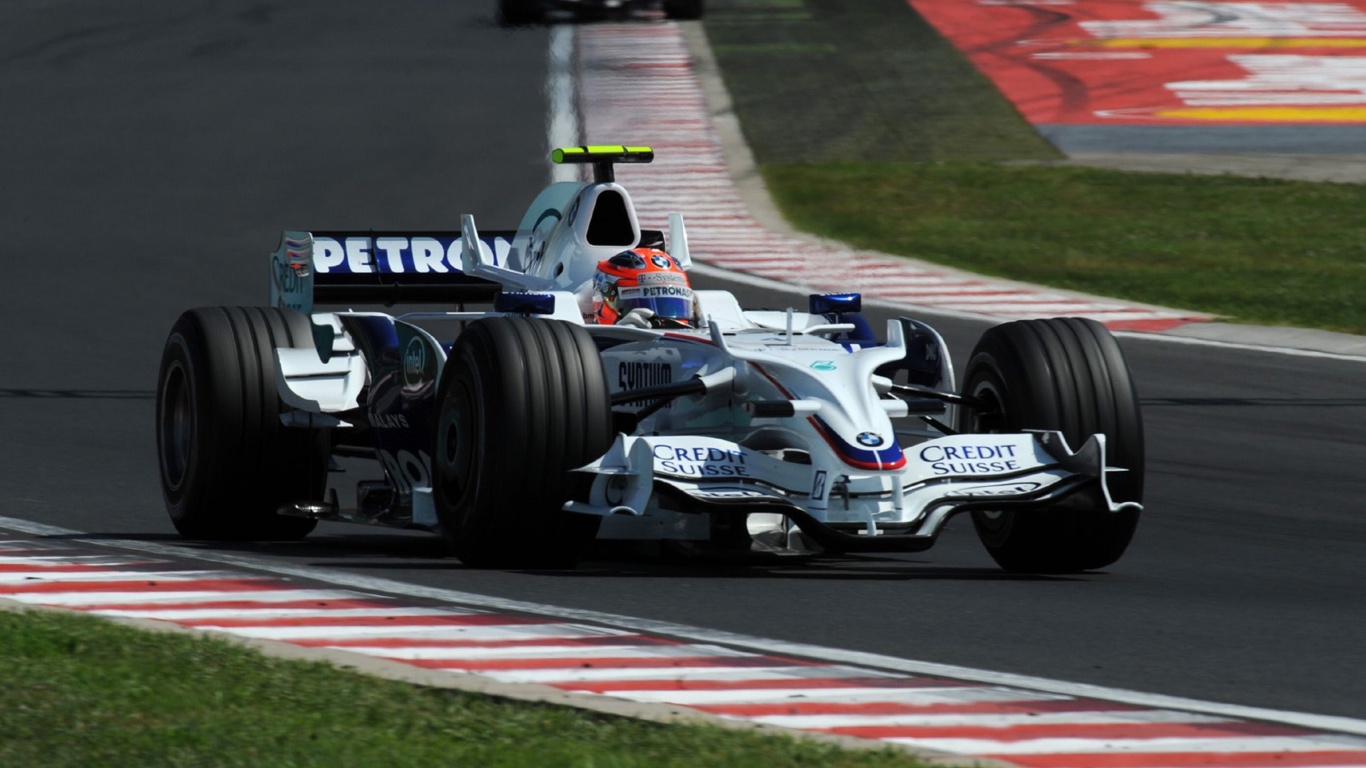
[(869, 81), (871, 129), (1255, 250), (82, 691)]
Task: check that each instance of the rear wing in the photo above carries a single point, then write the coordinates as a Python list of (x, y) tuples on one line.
[(385, 268)]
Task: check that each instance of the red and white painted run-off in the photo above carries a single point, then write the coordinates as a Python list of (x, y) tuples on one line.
[(976, 720), (637, 85)]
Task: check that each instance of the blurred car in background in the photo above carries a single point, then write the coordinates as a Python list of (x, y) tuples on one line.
[(520, 12)]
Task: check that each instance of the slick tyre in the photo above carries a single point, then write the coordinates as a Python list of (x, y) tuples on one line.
[(521, 403), (518, 13), (685, 10), (1069, 375), (227, 463)]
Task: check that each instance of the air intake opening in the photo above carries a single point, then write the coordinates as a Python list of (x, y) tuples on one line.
[(611, 222)]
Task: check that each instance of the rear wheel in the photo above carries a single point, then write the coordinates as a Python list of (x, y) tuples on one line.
[(227, 463), (1069, 375), (521, 403)]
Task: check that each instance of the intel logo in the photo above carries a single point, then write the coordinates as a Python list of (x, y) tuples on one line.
[(414, 362)]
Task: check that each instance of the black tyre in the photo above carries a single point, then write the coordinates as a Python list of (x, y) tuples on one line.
[(516, 13), (521, 403), (1069, 375), (227, 463), (686, 10)]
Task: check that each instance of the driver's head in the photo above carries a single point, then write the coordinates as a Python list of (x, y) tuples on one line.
[(642, 278)]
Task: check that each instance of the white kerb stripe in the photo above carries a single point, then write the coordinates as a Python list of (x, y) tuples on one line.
[(40, 561), (910, 696), (46, 576), (668, 677), (983, 721), (463, 634), (519, 652), (89, 599), (339, 632), (533, 652)]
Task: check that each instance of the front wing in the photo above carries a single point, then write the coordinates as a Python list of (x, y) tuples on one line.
[(664, 486)]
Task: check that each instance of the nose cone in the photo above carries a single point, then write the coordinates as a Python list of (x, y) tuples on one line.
[(866, 450)]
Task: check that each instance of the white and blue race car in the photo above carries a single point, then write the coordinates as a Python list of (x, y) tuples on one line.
[(522, 433)]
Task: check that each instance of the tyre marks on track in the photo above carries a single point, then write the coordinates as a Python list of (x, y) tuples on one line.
[(638, 85), (965, 718)]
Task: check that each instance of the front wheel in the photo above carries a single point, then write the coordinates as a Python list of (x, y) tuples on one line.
[(227, 463), (522, 402), (1069, 375)]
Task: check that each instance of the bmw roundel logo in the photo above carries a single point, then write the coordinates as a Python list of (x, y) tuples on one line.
[(660, 260), (869, 439)]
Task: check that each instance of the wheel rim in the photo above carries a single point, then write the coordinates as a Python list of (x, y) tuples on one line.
[(177, 426), (457, 441), (990, 419)]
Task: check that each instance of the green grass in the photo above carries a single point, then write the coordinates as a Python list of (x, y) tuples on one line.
[(81, 691), (893, 142), (1256, 250)]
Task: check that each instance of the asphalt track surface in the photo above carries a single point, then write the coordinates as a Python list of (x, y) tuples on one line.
[(151, 153)]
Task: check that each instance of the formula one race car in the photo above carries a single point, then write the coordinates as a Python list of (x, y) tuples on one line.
[(526, 429), (519, 12)]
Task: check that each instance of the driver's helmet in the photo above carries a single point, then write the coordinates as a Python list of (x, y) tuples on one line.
[(643, 277)]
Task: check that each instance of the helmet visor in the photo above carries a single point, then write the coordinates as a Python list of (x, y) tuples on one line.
[(669, 301)]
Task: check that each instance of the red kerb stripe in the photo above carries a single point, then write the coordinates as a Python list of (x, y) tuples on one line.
[(418, 642), (235, 605), (42, 568), (146, 585), (455, 620), (796, 683), (902, 708), (1152, 326), (607, 662)]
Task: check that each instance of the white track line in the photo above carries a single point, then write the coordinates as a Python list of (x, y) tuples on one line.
[(563, 127), (923, 697), (988, 721)]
